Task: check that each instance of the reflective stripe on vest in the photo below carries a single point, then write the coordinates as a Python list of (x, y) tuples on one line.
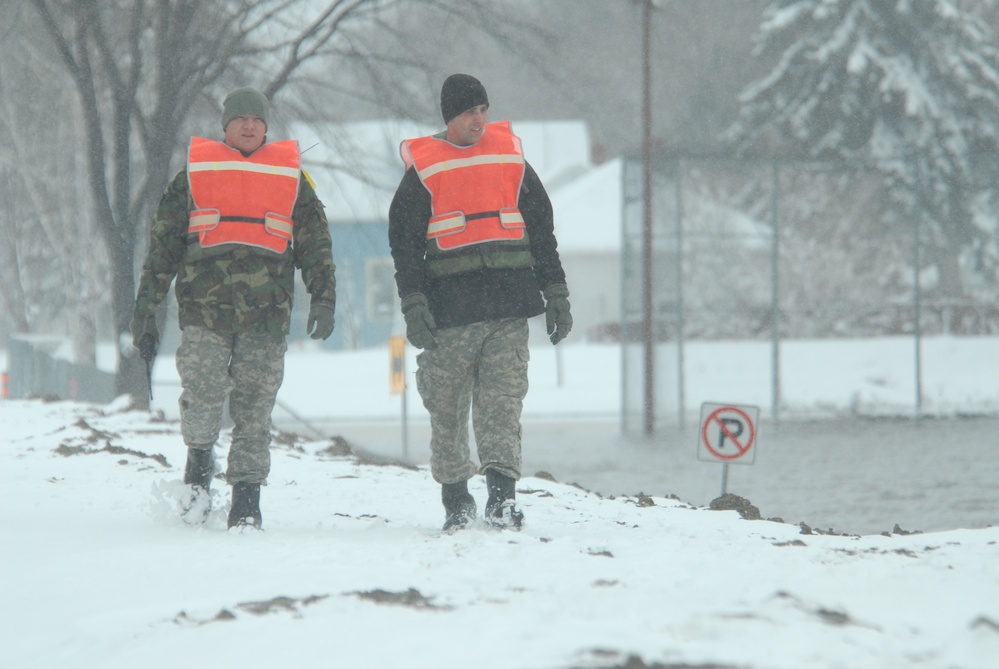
[(243, 200), (474, 189)]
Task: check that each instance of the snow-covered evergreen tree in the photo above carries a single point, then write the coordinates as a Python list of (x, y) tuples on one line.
[(908, 86)]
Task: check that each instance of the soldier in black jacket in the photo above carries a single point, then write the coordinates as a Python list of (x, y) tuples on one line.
[(472, 237)]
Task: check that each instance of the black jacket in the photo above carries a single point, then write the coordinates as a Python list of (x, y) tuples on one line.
[(481, 295)]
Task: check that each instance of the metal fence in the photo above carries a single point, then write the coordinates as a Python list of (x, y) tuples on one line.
[(771, 251), (34, 371)]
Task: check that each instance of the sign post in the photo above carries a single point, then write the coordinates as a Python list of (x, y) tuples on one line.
[(727, 434), (397, 383)]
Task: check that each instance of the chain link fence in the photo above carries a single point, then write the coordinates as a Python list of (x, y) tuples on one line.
[(772, 252), (35, 370)]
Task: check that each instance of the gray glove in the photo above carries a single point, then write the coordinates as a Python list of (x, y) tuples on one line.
[(557, 316), (421, 330), (145, 336), (321, 321)]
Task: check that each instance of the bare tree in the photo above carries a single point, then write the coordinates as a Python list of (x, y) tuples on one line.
[(588, 66), (52, 263)]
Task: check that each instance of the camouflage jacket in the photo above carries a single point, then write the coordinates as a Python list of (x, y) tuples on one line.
[(234, 287)]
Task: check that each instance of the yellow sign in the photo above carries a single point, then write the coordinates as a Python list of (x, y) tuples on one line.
[(397, 365)]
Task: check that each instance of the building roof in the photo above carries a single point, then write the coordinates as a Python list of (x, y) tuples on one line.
[(588, 210)]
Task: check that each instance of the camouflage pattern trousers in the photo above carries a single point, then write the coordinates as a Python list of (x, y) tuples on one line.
[(248, 368), (482, 367)]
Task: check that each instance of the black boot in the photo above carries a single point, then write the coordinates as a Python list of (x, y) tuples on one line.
[(245, 509), (200, 467), (198, 472), (459, 506), (501, 507)]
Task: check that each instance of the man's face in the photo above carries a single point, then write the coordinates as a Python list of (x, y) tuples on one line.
[(246, 133), (467, 127)]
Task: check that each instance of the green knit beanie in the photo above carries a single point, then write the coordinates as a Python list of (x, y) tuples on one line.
[(244, 101)]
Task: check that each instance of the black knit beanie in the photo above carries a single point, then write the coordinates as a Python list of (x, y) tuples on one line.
[(244, 101), (459, 93)]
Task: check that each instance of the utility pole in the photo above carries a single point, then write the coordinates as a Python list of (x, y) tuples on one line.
[(648, 330)]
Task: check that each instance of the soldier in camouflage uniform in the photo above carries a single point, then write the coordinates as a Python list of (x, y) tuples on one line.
[(472, 237), (232, 227)]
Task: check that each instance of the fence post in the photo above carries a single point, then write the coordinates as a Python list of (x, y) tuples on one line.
[(680, 307), (917, 306), (775, 293)]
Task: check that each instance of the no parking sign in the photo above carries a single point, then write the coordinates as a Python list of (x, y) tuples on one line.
[(727, 433)]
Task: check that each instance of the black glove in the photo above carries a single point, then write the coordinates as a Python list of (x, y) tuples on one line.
[(321, 321), (421, 330), (557, 316), (145, 336)]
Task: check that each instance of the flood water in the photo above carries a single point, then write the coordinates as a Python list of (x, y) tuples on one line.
[(859, 476)]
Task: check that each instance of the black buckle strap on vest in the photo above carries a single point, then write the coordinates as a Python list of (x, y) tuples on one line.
[(194, 237), (482, 214), (241, 219)]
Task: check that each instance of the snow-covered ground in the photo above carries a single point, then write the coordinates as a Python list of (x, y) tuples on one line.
[(96, 570), (846, 454)]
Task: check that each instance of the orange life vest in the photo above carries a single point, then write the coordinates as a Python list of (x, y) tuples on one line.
[(243, 199), (474, 189)]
